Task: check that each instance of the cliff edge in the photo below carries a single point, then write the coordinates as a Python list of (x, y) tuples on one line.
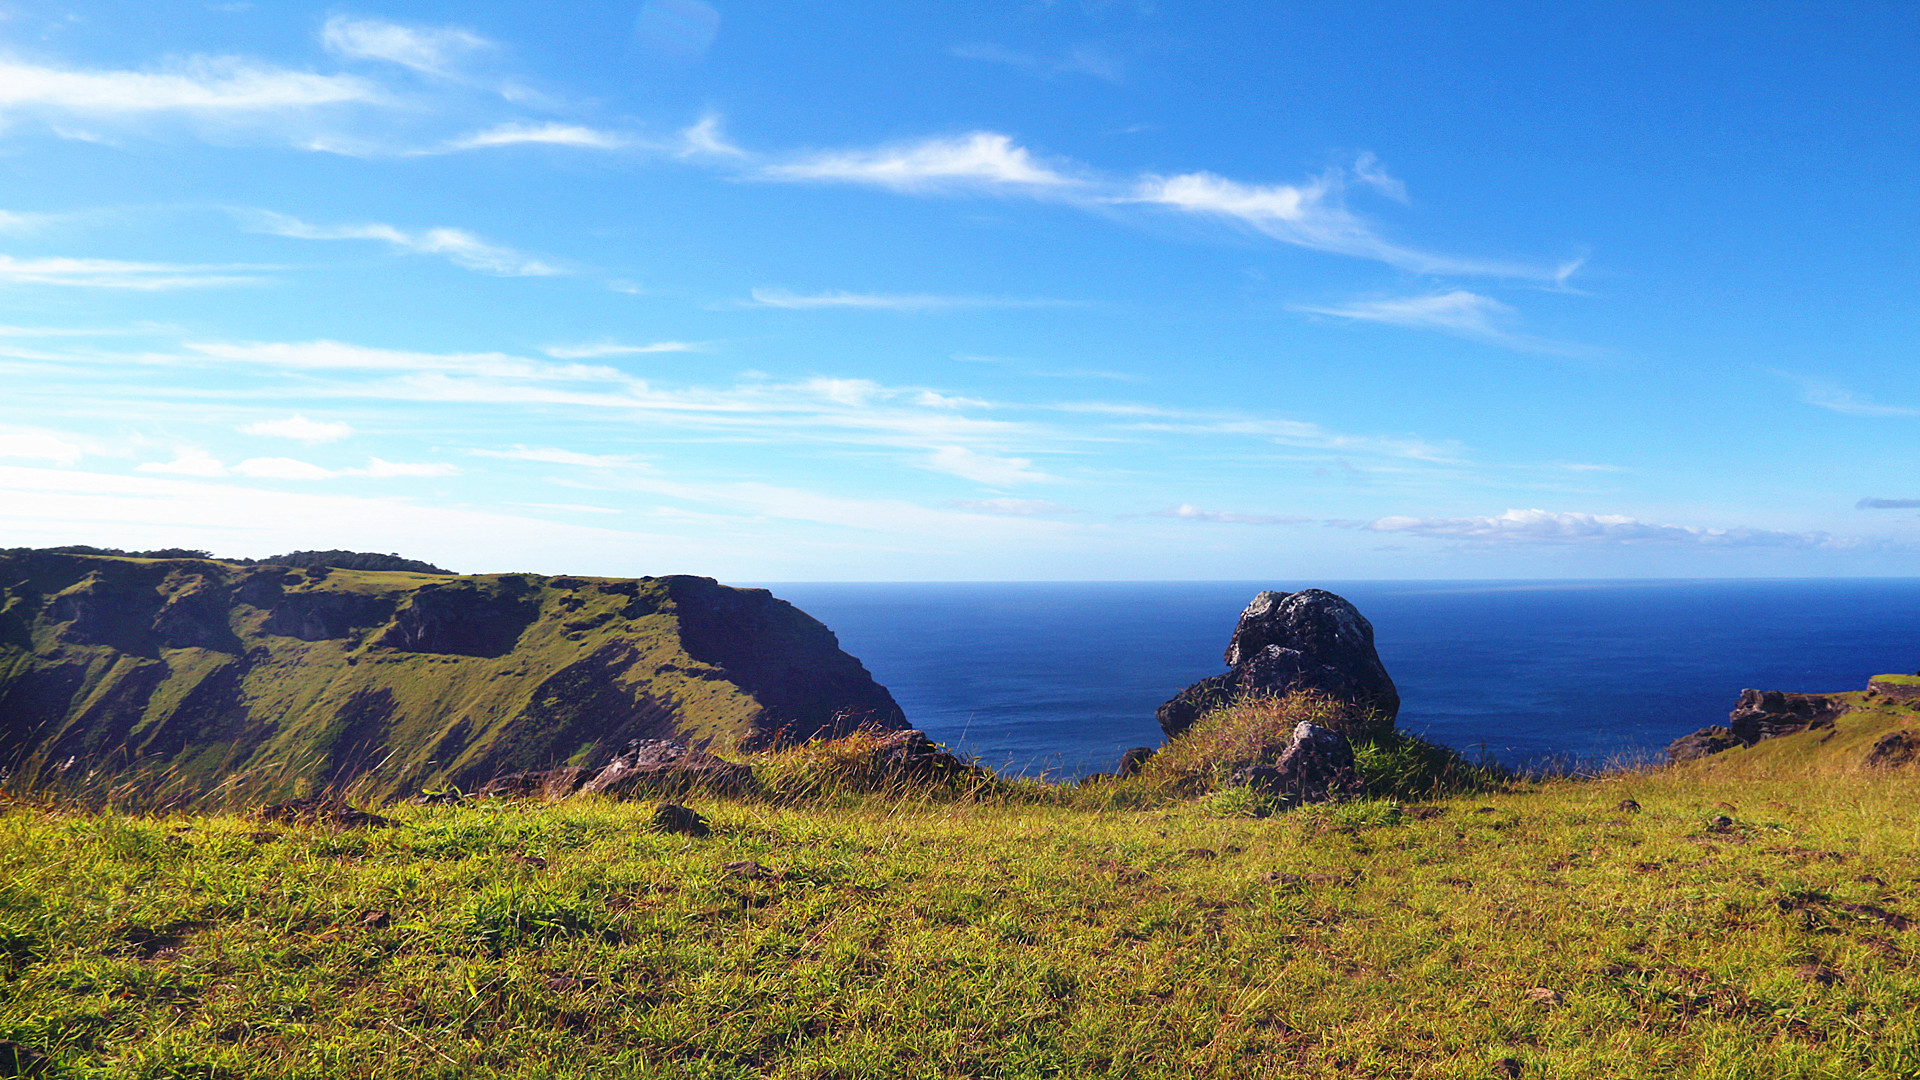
[(205, 671)]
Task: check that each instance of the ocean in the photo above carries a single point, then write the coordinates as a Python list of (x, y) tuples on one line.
[(1058, 679)]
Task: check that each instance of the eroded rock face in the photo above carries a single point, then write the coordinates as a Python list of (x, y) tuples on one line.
[(1759, 715), (1317, 766), (1285, 642)]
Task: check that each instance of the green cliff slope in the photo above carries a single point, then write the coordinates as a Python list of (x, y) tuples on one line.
[(208, 673)]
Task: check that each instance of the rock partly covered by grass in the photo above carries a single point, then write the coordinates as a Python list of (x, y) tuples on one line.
[(177, 676), (1311, 641)]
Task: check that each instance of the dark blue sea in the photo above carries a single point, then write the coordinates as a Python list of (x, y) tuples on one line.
[(1060, 678)]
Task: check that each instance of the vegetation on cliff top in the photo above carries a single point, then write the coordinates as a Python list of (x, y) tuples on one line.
[(178, 677), (1728, 918)]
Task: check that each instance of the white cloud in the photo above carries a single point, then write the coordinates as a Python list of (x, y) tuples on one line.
[(187, 461), (597, 349), (118, 274), (1847, 403), (552, 134), (300, 428), (1459, 312), (1310, 215), (1608, 530), (381, 469), (39, 445), (1300, 433), (1013, 507), (340, 356), (554, 456), (985, 468), (431, 50), (280, 468), (978, 159), (705, 139), (460, 247), (200, 84), (1190, 512), (792, 301)]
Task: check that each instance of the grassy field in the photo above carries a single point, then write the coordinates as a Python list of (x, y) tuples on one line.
[(1537, 931)]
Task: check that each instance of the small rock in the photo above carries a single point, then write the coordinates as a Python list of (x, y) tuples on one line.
[(674, 818), (1819, 973), (1134, 760), (1627, 806), (1719, 823), (322, 810), (1541, 995), (19, 1060), (748, 869), (1093, 778)]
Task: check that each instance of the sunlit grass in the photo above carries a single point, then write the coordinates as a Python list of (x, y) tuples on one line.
[(879, 935)]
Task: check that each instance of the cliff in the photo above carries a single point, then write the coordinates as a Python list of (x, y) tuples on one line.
[(206, 671)]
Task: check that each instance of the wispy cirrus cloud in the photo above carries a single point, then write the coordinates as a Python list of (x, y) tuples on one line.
[(1009, 507), (1310, 214), (919, 302), (1459, 312), (457, 246), (300, 429), (1546, 527), (439, 51), (1190, 512), (538, 134), (1887, 504), (549, 455), (192, 461), (977, 159), (202, 84), (1140, 416), (597, 349), (1079, 60), (121, 274), (1828, 396), (987, 469)]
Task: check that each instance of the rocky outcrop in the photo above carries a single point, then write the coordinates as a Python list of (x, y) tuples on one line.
[(1902, 688), (1316, 766), (645, 767), (1760, 715), (258, 677), (1311, 640)]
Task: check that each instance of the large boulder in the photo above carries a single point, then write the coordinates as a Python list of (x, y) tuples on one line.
[(1311, 640)]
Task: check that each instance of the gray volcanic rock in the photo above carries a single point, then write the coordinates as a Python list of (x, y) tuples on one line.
[(1317, 766), (1310, 640), (662, 766), (1759, 715)]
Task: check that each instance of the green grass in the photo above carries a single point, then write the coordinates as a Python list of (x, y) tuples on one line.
[(1019, 935)]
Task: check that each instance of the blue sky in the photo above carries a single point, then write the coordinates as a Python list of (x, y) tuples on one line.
[(970, 291)]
